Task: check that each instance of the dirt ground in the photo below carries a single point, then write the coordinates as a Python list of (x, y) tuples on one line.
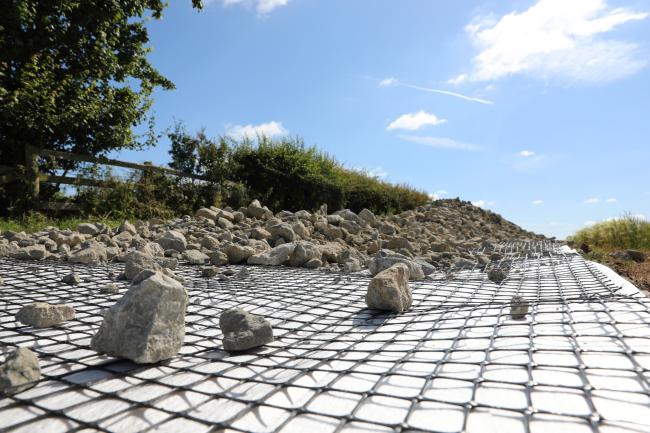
[(637, 273)]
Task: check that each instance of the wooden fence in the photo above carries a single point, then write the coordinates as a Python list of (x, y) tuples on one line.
[(32, 177)]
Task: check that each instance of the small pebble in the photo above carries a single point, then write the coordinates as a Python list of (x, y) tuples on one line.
[(109, 288), (71, 278), (497, 275), (209, 272)]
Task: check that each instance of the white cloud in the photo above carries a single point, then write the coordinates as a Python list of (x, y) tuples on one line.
[(483, 203), (263, 7), (377, 172), (390, 81), (537, 202), (458, 79), (590, 223), (526, 153), (269, 129), (439, 142), (556, 39), (592, 200), (611, 200), (395, 82), (415, 121)]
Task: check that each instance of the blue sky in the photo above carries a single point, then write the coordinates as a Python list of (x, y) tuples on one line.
[(538, 110)]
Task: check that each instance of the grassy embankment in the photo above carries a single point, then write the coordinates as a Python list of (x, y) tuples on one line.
[(616, 236)]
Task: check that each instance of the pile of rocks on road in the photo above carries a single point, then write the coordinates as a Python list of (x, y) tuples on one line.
[(439, 235)]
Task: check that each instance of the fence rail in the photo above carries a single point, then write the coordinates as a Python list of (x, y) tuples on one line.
[(32, 177)]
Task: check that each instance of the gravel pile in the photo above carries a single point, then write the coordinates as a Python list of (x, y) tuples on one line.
[(437, 236)]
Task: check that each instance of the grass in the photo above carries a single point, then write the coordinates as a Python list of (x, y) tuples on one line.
[(34, 222), (626, 232)]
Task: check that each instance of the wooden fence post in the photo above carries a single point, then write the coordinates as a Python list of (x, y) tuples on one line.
[(32, 181)]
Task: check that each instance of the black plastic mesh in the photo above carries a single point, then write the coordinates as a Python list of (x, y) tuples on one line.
[(456, 362)]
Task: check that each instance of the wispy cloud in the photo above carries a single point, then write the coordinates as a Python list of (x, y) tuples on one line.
[(555, 39), (392, 81), (611, 200), (263, 7), (526, 153), (269, 129), (439, 142), (415, 121), (592, 200), (484, 203), (537, 202)]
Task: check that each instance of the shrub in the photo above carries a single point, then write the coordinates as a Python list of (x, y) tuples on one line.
[(624, 232)]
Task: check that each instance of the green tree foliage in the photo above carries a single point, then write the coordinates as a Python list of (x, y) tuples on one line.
[(74, 76)]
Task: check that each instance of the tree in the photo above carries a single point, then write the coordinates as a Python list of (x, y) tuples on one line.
[(74, 76)]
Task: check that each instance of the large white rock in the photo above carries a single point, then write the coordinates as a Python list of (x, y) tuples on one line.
[(384, 259), (389, 290), (147, 324), (136, 262), (19, 371)]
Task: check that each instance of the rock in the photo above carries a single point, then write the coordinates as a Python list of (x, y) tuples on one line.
[(19, 371), (195, 257), (368, 217), (242, 330), (637, 256), (209, 242), (334, 219), (32, 252), (585, 248), (260, 233), (243, 274), (127, 227), (206, 213), (312, 263), (275, 257), (385, 259), (239, 253), (304, 252), (398, 242), (109, 289), (71, 278), (282, 230), (347, 214), (152, 249), (87, 229), (497, 275), (389, 290), (147, 324), (255, 210), (225, 224), (518, 307), (173, 240), (44, 315), (94, 254), (219, 258), (136, 262), (351, 265), (209, 272)]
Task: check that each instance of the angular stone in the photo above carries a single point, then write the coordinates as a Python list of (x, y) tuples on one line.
[(282, 230), (206, 213), (304, 252), (94, 254), (147, 324), (389, 290), (71, 278), (497, 275), (224, 223), (173, 240), (219, 258), (19, 371), (368, 217), (87, 229), (44, 315), (239, 253), (260, 233), (385, 259), (518, 307), (195, 257), (209, 272), (109, 289), (275, 257), (127, 227), (136, 262), (242, 330)]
